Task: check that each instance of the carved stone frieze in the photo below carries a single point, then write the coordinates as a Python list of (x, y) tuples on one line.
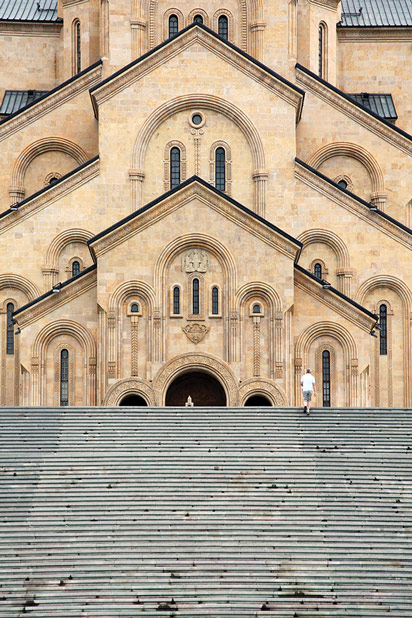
[(195, 260), (135, 386), (195, 332), (263, 387)]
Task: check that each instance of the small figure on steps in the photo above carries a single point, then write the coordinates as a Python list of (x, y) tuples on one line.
[(307, 383), (189, 403)]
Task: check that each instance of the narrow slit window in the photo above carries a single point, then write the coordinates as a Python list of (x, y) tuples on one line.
[(220, 169), (198, 19), (322, 51), (223, 27), (176, 300), (318, 271), (195, 299), (78, 48), (174, 167), (10, 329), (64, 378), (383, 323), (173, 25), (75, 268), (326, 378), (215, 301)]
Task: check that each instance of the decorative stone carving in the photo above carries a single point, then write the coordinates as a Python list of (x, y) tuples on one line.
[(195, 260), (129, 386), (195, 332), (267, 388)]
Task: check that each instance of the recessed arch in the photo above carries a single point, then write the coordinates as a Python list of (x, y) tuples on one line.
[(266, 388), (348, 149), (258, 288), (46, 144), (61, 241), (30, 289), (131, 288), (389, 282), (196, 362), (329, 238), (129, 386)]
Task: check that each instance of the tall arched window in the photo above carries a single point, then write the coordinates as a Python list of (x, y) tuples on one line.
[(64, 378), (383, 323), (77, 47), (75, 268), (198, 19), (174, 167), (317, 271), (322, 49), (173, 25), (195, 297), (223, 27), (326, 378), (220, 169), (10, 329), (176, 300), (215, 301)]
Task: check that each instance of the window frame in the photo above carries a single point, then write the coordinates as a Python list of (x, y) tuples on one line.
[(64, 370), (10, 335), (326, 384)]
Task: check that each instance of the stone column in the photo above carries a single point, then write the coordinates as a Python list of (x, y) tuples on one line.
[(344, 280), (260, 178), (111, 364), (135, 345), (257, 29), (138, 26), (136, 188), (256, 347), (379, 200), (16, 194), (278, 344), (298, 375)]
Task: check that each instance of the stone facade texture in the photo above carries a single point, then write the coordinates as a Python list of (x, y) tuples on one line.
[(195, 279)]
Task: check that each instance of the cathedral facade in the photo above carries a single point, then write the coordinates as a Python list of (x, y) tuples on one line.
[(205, 198)]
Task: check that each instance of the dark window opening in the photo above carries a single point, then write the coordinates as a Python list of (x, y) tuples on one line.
[(317, 271), (256, 308), (223, 28), (134, 308), (258, 401), (326, 378), (176, 300), (215, 301), (52, 180), (383, 323), (78, 49), (198, 19), (173, 25), (75, 268), (220, 171), (195, 296), (320, 50), (64, 378), (174, 167), (133, 400), (10, 329), (197, 119), (343, 184)]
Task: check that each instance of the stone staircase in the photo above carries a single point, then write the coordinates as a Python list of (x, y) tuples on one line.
[(196, 512)]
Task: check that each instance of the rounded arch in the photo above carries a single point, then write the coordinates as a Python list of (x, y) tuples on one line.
[(385, 281), (200, 12), (37, 148), (197, 101), (325, 329), (228, 164), (260, 386), (187, 241), (166, 16), (330, 239), (258, 288), (130, 288), (348, 149), (28, 288), (62, 240), (196, 362), (129, 386)]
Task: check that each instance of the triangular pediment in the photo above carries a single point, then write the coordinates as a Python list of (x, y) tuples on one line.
[(200, 35), (194, 191)]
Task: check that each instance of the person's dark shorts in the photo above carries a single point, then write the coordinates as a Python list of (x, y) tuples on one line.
[(307, 395)]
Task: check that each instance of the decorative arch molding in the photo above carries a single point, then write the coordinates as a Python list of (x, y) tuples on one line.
[(18, 282), (228, 164), (198, 11), (388, 282), (258, 288), (166, 162), (267, 388), (196, 362), (346, 340), (348, 149), (51, 331), (199, 101), (35, 149), (61, 241), (230, 21), (180, 20), (329, 238), (129, 386), (130, 288)]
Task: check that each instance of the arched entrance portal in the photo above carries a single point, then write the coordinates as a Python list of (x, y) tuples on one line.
[(133, 400), (258, 401), (204, 390)]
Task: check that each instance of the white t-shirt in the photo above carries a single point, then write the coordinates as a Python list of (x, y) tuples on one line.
[(308, 381)]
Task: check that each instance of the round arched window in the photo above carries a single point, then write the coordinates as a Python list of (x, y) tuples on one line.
[(134, 308), (198, 19), (256, 308)]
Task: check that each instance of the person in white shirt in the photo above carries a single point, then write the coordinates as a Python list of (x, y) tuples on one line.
[(307, 383)]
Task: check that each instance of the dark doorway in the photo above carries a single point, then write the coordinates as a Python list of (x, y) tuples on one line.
[(258, 401), (202, 387), (133, 400)]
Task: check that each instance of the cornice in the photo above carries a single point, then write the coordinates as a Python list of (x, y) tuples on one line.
[(50, 101), (30, 28), (331, 95), (237, 214), (374, 34), (66, 3), (355, 206), (334, 302), (50, 301), (331, 5), (49, 195), (185, 39)]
